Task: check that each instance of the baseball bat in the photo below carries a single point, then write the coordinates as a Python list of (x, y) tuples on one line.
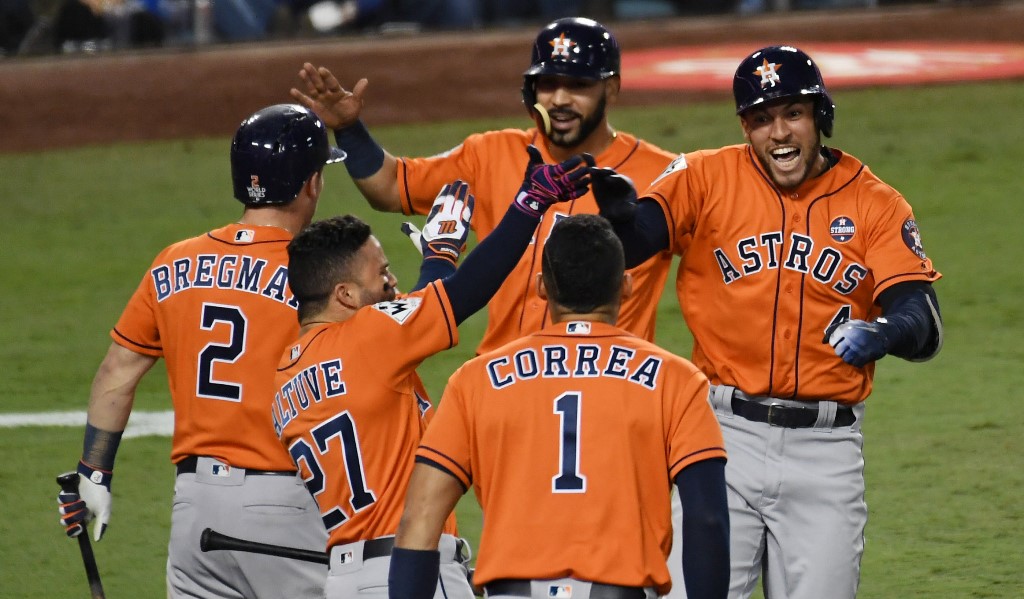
[(69, 484), (211, 540)]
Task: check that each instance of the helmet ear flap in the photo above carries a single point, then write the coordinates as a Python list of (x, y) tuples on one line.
[(824, 114)]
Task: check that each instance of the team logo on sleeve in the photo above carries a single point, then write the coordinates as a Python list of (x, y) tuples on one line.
[(676, 165), (400, 310), (842, 229), (912, 237)]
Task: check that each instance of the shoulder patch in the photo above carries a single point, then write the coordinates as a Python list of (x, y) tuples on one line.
[(676, 165), (912, 237), (401, 309), (842, 229)]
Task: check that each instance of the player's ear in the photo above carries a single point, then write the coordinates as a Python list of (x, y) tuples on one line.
[(611, 89), (627, 287), (346, 294), (542, 291), (745, 127)]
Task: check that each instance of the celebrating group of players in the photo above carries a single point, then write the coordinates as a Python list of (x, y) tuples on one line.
[(605, 466)]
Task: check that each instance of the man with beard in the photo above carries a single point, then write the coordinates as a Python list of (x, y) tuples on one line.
[(572, 79)]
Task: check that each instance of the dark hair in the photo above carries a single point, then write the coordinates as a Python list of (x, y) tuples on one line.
[(583, 263), (320, 257)]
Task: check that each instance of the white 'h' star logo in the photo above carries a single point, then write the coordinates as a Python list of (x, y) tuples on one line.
[(768, 72), (561, 45)]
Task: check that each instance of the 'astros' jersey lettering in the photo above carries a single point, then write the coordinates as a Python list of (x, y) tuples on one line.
[(351, 409), (493, 164), (790, 264), (571, 437), (201, 305)]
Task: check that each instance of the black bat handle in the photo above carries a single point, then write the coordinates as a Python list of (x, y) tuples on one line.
[(69, 484)]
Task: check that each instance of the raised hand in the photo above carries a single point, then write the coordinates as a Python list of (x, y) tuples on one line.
[(547, 184), (324, 95), (447, 228), (614, 193)]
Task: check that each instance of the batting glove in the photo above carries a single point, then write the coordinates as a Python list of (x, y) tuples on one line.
[(72, 513), (614, 193), (94, 489), (547, 184), (858, 342), (447, 228)]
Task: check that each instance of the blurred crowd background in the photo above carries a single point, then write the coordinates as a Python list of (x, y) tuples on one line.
[(41, 27)]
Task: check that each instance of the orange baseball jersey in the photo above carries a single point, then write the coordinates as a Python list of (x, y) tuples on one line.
[(351, 409), (218, 309), (493, 164), (791, 264), (570, 438)]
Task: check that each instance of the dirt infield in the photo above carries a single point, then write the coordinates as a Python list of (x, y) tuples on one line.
[(65, 102)]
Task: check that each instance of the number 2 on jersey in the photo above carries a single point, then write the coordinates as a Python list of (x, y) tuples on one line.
[(206, 385), (569, 479)]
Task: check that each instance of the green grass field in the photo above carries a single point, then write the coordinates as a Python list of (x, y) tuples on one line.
[(944, 439)]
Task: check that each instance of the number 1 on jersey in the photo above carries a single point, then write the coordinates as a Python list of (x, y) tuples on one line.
[(569, 480)]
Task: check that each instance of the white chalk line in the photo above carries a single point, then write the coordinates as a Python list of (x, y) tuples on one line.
[(140, 424)]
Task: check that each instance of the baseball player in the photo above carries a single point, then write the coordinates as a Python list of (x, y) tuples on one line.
[(572, 80), (568, 437), (350, 408), (801, 269), (218, 309)]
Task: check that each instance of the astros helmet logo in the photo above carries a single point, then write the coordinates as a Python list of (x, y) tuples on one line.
[(561, 45), (769, 73)]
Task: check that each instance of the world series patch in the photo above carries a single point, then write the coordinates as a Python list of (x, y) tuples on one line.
[(842, 229), (912, 237)]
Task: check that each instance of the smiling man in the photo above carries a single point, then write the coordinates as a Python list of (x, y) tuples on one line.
[(800, 269), (570, 85)]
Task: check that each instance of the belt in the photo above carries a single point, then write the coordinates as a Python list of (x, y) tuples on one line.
[(522, 588), (382, 546), (786, 416), (188, 466)]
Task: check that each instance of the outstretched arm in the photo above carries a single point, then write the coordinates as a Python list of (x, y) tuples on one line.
[(485, 268), (373, 169), (641, 226)]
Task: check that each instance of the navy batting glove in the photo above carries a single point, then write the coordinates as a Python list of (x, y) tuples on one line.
[(547, 184), (614, 193), (72, 513), (447, 228), (858, 342)]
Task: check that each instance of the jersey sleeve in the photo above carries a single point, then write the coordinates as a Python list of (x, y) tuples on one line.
[(446, 443), (895, 251), (409, 329), (420, 179), (692, 428), (137, 328), (679, 190)]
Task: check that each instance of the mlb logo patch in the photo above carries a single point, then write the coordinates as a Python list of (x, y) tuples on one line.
[(244, 236), (345, 558), (578, 328), (296, 350), (560, 591), (222, 470)]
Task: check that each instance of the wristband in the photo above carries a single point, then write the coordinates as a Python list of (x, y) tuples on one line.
[(100, 447), (365, 156), (413, 573), (95, 475)]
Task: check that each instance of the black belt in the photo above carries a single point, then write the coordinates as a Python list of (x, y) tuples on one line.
[(188, 466), (522, 588), (378, 547), (786, 416)]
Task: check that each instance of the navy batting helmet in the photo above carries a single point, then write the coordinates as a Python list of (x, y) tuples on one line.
[(275, 150), (572, 47), (782, 72)]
